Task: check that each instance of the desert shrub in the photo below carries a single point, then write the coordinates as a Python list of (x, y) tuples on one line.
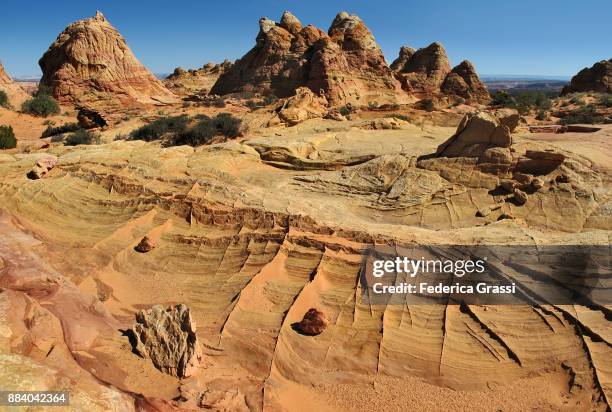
[(524, 102), (4, 101), (541, 115), (427, 105), (201, 133), (583, 115), (65, 128), (502, 98), (227, 125), (7, 138), (82, 136), (160, 127), (41, 104), (605, 100), (399, 116)]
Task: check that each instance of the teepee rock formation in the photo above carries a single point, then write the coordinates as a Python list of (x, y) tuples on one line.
[(463, 81), (90, 64), (427, 72), (15, 93), (426, 69), (346, 63)]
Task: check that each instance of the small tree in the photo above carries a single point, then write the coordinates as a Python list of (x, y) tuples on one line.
[(7, 138), (4, 101)]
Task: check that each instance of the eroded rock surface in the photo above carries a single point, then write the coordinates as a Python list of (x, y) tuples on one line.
[(463, 81), (303, 106), (90, 64), (196, 81), (15, 93), (346, 63), (167, 336), (597, 78)]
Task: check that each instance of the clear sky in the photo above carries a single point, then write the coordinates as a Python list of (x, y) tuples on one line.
[(520, 37)]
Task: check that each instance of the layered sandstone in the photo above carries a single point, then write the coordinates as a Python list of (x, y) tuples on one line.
[(253, 233), (427, 72), (597, 78), (346, 63), (15, 93), (195, 82), (90, 64)]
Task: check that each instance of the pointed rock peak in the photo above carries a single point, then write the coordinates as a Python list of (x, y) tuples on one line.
[(265, 24), (406, 51), (99, 16), (436, 47), (344, 21), (465, 66), (290, 23)]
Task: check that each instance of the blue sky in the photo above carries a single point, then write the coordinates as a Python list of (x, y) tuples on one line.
[(520, 37)]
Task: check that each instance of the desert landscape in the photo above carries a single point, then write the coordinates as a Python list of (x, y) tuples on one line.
[(195, 242)]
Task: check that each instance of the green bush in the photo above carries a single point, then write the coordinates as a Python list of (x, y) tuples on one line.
[(82, 136), (199, 134), (606, 100), (182, 130), (4, 101), (227, 125), (65, 128), (161, 127), (7, 138), (502, 98), (541, 115), (42, 104)]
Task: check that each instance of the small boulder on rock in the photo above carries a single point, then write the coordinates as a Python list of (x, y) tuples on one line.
[(303, 106), (167, 336), (313, 323), (145, 245), (42, 167)]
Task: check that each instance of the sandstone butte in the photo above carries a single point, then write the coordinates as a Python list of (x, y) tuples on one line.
[(597, 78), (427, 72), (345, 63), (15, 93), (90, 64)]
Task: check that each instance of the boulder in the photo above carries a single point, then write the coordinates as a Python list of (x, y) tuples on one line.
[(313, 323), (597, 78), (463, 81), (303, 106), (90, 64), (346, 63), (42, 167), (90, 118), (16, 95), (475, 134), (508, 117), (167, 336), (145, 245)]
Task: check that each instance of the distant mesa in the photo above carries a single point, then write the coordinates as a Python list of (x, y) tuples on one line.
[(15, 93), (91, 64), (427, 72), (597, 78), (345, 63)]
